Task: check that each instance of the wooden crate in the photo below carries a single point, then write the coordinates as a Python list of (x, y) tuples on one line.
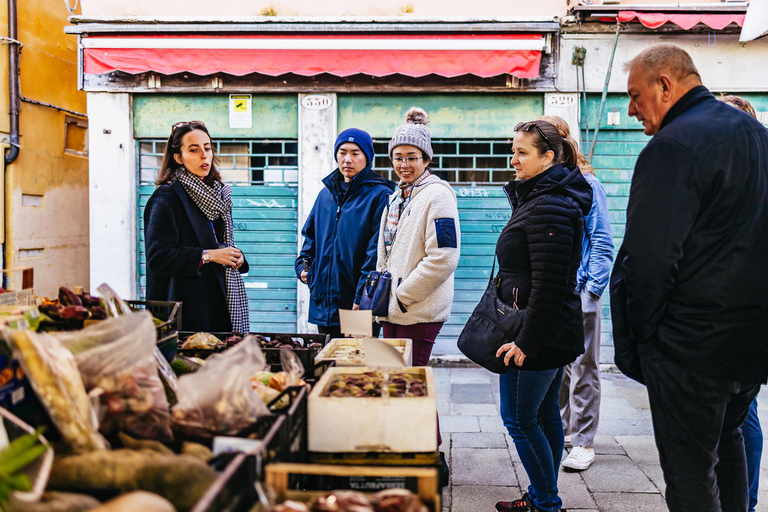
[(372, 424), (23, 279), (343, 351), (367, 479)]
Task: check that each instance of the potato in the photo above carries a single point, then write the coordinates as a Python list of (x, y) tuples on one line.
[(139, 500)]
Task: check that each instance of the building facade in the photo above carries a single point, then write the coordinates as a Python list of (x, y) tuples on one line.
[(45, 169), (275, 89)]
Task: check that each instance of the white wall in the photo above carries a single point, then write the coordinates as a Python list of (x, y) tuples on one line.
[(112, 187), (230, 8), (725, 65), (317, 133)]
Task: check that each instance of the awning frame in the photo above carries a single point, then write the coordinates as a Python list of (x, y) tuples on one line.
[(85, 27)]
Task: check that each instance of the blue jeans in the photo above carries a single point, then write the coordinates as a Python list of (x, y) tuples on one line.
[(753, 445), (531, 412)]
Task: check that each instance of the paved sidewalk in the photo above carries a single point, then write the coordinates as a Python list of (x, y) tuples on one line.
[(485, 467)]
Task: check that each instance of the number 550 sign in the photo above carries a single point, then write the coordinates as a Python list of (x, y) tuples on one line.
[(316, 102)]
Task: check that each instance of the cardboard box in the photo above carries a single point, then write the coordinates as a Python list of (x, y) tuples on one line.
[(23, 280), (347, 352)]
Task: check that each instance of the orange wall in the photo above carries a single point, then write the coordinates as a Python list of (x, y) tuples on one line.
[(43, 171)]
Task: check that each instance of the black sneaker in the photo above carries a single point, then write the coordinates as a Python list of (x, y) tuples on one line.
[(524, 504)]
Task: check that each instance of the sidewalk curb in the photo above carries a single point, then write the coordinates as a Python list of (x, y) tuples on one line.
[(460, 361)]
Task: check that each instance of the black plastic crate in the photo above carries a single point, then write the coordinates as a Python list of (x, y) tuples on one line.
[(167, 311), (272, 355), (234, 490), (293, 437)]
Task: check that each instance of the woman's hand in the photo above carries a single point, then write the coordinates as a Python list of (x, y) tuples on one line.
[(304, 276), (355, 307), (240, 261), (513, 351), (227, 256)]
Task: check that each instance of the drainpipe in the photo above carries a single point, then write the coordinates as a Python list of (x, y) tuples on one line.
[(13, 83)]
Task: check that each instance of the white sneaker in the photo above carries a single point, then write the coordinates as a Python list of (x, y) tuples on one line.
[(568, 442), (580, 458)]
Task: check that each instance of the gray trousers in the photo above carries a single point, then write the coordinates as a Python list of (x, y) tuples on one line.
[(580, 391)]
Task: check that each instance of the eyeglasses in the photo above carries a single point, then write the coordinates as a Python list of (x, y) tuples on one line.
[(183, 123), (527, 127), (410, 159)]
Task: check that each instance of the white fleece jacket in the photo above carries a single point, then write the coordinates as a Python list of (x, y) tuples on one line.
[(424, 256)]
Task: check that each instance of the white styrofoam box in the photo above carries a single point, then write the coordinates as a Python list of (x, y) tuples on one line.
[(344, 351), (372, 424)]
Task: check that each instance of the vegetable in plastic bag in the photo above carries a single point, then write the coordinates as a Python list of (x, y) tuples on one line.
[(218, 398), (54, 376), (121, 372), (202, 340)]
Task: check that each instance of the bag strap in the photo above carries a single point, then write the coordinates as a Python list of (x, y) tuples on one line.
[(388, 248), (493, 270)]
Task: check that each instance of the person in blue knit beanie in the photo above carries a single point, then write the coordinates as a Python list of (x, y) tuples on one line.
[(341, 232)]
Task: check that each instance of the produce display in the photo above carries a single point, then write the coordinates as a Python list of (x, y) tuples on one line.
[(121, 371), (207, 341), (70, 307), (374, 384), (99, 375), (54, 376), (227, 407), (181, 479), (390, 500)]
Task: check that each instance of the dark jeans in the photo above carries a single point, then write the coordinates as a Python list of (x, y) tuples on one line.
[(753, 446), (422, 338), (697, 426), (531, 412)]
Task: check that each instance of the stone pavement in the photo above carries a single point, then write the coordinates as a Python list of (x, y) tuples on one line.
[(485, 467)]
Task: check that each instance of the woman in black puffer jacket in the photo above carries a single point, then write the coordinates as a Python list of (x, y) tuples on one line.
[(539, 252)]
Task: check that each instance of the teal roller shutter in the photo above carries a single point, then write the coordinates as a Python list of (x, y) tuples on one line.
[(483, 213), (616, 152)]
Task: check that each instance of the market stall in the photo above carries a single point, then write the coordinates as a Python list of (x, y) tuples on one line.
[(137, 415)]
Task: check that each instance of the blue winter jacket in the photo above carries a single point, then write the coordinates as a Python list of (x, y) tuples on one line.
[(597, 243), (340, 239)]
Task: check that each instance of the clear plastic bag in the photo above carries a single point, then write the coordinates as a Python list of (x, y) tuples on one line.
[(292, 368), (120, 370), (218, 398), (54, 376)]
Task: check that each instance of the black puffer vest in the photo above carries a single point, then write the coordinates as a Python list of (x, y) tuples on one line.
[(539, 252)]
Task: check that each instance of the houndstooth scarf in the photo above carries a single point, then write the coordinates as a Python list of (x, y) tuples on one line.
[(215, 202)]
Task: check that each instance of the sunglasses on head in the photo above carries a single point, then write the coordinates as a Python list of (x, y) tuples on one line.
[(183, 123), (527, 127)]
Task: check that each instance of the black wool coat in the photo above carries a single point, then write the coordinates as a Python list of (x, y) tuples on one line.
[(175, 233), (539, 252), (690, 280)]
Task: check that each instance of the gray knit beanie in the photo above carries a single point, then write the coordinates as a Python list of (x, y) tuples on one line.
[(414, 132)]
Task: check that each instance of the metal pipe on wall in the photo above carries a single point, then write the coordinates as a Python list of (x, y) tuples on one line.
[(13, 83)]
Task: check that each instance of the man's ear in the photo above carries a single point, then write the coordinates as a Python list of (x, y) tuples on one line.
[(177, 157), (666, 87)]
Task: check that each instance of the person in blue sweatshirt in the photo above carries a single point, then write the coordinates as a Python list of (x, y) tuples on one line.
[(342, 231)]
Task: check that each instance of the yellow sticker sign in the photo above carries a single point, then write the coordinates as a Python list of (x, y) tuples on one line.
[(240, 111)]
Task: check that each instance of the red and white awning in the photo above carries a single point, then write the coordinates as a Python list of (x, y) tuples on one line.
[(376, 55), (686, 21)]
